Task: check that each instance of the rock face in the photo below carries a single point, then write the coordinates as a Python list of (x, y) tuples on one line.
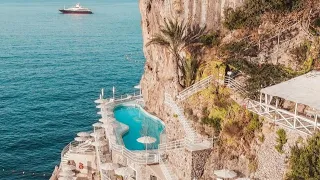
[(159, 75)]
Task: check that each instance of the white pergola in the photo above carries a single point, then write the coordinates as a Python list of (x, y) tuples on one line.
[(304, 90)]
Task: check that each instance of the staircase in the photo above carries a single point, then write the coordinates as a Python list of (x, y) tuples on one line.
[(190, 133), (198, 86), (167, 170), (236, 86)]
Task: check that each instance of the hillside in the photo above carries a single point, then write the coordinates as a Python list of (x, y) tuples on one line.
[(263, 42)]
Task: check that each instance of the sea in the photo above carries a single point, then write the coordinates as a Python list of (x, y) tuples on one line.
[(52, 68)]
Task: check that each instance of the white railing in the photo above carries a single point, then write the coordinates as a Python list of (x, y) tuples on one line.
[(128, 97), (200, 143), (198, 86), (284, 118), (178, 144), (190, 133), (140, 157)]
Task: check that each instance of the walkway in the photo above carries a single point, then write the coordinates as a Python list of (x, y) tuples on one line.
[(277, 115)]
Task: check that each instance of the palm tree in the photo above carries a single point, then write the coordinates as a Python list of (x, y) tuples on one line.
[(177, 37), (190, 70)]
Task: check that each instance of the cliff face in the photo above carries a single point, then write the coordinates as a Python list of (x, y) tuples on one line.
[(159, 68)]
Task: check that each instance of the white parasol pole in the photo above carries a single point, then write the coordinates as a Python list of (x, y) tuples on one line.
[(146, 153)]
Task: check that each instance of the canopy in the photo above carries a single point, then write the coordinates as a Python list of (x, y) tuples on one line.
[(146, 140), (81, 138), (304, 89), (124, 171), (225, 173), (82, 134), (109, 166)]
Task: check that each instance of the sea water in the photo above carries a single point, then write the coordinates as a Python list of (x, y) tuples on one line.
[(52, 67)]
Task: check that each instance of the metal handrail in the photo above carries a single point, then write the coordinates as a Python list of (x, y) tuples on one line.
[(137, 157), (195, 88)]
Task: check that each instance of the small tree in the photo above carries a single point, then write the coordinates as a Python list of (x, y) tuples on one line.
[(281, 140), (305, 160)]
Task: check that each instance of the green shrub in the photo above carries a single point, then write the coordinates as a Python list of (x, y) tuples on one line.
[(261, 138), (234, 47), (253, 164), (213, 122), (260, 75), (281, 140), (210, 40), (300, 53), (254, 125), (189, 111), (305, 160), (175, 115), (249, 14), (316, 22)]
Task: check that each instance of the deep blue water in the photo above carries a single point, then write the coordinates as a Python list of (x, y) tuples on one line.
[(52, 67), (140, 124)]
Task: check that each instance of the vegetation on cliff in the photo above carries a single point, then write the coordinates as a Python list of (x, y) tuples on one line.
[(249, 15), (305, 160), (179, 38)]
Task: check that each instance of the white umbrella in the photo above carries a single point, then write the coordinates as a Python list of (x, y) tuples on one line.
[(99, 143), (65, 178), (66, 173), (103, 120), (99, 101), (97, 124), (81, 138), (106, 113), (69, 168), (100, 106), (124, 171), (225, 173), (137, 86), (97, 134), (146, 140), (109, 166), (83, 134)]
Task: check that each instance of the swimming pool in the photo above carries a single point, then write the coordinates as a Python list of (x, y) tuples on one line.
[(140, 124)]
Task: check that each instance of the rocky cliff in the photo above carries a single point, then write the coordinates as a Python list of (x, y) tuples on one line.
[(159, 75)]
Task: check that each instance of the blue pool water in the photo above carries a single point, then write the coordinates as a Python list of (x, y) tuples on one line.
[(140, 124), (52, 67)]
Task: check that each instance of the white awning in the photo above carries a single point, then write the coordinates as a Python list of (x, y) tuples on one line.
[(304, 89)]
